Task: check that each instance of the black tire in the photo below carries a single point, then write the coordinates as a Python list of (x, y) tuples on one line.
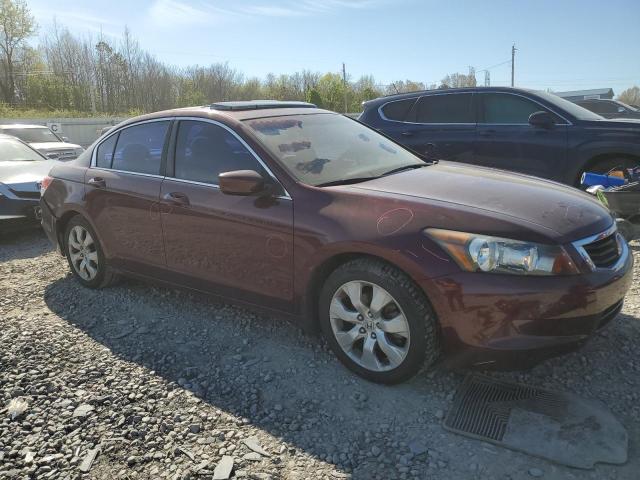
[(105, 276), (606, 165), (424, 345)]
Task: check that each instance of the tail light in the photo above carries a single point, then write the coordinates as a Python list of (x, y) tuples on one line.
[(46, 181)]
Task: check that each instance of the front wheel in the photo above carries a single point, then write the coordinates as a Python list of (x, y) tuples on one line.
[(378, 322)]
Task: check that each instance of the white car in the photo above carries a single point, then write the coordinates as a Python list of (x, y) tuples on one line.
[(44, 140)]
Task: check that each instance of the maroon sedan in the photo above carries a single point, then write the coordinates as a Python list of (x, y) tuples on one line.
[(304, 211)]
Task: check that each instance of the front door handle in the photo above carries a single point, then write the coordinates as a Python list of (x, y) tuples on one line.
[(407, 134), (176, 198), (97, 182)]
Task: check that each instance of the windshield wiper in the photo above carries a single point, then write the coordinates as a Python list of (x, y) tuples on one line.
[(406, 167), (345, 181)]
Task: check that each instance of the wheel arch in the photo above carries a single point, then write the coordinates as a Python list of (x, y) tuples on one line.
[(602, 157), (309, 311)]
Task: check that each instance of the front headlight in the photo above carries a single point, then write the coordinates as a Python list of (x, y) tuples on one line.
[(483, 253), (78, 151)]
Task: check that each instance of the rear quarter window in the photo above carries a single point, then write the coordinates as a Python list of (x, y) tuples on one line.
[(398, 110)]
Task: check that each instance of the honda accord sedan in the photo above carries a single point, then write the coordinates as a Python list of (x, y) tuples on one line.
[(399, 261)]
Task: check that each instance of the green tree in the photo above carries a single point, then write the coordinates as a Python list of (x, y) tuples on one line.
[(313, 96), (16, 25)]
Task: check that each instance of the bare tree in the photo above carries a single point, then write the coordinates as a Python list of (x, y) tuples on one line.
[(459, 80), (631, 96), (16, 25)]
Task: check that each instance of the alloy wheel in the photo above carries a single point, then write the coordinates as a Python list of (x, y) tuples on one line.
[(83, 253), (369, 325)]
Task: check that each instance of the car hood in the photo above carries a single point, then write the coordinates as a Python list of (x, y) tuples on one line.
[(24, 172), (558, 212), (46, 146)]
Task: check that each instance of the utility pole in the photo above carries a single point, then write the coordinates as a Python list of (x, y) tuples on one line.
[(513, 66), (344, 85)]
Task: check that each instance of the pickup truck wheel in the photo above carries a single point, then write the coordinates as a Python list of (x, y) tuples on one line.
[(378, 322)]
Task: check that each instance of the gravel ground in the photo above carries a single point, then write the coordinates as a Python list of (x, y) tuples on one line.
[(161, 383)]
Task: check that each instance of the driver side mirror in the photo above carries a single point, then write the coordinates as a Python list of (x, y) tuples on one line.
[(541, 119), (243, 182)]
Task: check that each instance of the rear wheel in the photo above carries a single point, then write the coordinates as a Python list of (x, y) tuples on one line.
[(378, 322), (85, 256)]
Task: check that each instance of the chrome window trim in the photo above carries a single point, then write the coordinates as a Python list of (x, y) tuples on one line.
[(113, 132), (217, 187), (140, 174), (244, 144), (612, 230), (417, 99), (286, 195)]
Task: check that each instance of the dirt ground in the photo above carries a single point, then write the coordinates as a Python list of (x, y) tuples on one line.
[(163, 383)]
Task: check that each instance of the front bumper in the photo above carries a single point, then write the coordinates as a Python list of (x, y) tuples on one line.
[(17, 213), (515, 322)]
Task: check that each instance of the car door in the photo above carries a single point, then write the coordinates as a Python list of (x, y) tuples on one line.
[(122, 193), (441, 126), (506, 140), (238, 246)]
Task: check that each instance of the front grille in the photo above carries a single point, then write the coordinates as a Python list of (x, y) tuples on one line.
[(61, 154), (604, 252)]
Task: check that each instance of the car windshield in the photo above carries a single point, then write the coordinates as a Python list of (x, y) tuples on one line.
[(326, 148), (33, 135), (15, 151), (628, 107), (577, 111)]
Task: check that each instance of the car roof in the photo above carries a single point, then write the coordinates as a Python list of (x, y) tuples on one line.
[(21, 125), (230, 116), (419, 93)]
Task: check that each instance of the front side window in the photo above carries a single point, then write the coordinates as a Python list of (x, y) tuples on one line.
[(139, 148), (508, 109), (204, 150), (323, 148)]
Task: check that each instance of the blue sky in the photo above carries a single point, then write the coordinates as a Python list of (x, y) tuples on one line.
[(562, 44)]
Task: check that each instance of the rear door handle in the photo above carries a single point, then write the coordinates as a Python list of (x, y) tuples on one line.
[(97, 182), (176, 198), (407, 134)]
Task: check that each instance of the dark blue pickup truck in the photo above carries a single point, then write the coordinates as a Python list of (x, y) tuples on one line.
[(526, 131)]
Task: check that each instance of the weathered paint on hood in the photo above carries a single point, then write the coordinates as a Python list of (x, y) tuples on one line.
[(559, 212)]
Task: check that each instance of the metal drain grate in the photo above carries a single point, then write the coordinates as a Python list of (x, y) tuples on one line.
[(482, 406), (554, 425)]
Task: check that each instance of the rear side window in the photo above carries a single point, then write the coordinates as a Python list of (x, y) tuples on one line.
[(447, 108), (139, 148), (104, 154), (204, 150), (398, 110), (508, 109)]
